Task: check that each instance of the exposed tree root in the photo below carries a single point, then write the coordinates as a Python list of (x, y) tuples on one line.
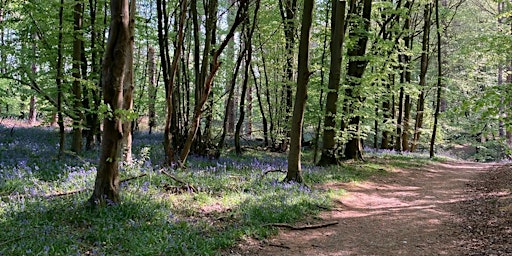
[(284, 225)]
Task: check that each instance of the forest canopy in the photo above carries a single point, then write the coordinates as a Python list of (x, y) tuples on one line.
[(211, 75)]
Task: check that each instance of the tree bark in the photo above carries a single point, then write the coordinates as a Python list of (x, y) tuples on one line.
[(60, 118), (128, 88), (288, 10), (294, 160), (208, 83), (420, 106), (247, 65), (355, 71), (439, 83), (114, 69), (328, 156), (229, 104), (76, 143), (152, 90)]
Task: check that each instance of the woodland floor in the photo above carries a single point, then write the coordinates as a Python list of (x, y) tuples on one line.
[(451, 208)]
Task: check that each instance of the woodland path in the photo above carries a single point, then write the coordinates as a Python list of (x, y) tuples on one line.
[(451, 208)]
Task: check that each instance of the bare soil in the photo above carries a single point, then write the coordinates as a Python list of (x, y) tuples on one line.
[(451, 208)]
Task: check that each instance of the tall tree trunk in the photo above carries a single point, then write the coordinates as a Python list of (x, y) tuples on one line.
[(128, 88), (247, 65), (294, 160), (114, 69), (288, 10), (230, 55), (355, 71), (331, 105), (152, 90), (92, 99), (398, 135), (439, 83), (420, 106), (264, 121), (207, 84), (76, 143), (229, 104), (318, 128), (408, 41), (60, 67)]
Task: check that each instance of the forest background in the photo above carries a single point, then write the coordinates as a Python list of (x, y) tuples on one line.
[(328, 80)]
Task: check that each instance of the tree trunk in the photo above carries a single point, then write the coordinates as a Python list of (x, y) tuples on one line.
[(208, 82), (229, 104), (294, 160), (76, 143), (114, 69), (264, 121), (91, 100), (60, 119), (439, 82), (32, 114), (318, 128), (328, 156), (355, 71), (247, 65), (288, 10), (398, 141), (423, 74), (128, 88), (152, 89)]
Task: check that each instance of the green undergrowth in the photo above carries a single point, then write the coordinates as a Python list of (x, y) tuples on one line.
[(222, 202)]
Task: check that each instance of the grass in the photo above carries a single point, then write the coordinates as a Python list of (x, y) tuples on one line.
[(233, 201)]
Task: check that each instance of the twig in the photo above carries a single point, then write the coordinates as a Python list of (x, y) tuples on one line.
[(284, 225), (12, 240)]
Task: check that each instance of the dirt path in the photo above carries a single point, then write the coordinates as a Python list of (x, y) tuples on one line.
[(410, 212)]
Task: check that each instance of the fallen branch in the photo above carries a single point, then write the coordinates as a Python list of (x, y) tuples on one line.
[(284, 225), (185, 186), (67, 193), (269, 171), (12, 240), (173, 177), (132, 178)]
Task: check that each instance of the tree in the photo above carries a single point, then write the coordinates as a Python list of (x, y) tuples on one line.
[(356, 67), (439, 82), (76, 145), (294, 160), (420, 106), (114, 70), (328, 156), (247, 65)]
